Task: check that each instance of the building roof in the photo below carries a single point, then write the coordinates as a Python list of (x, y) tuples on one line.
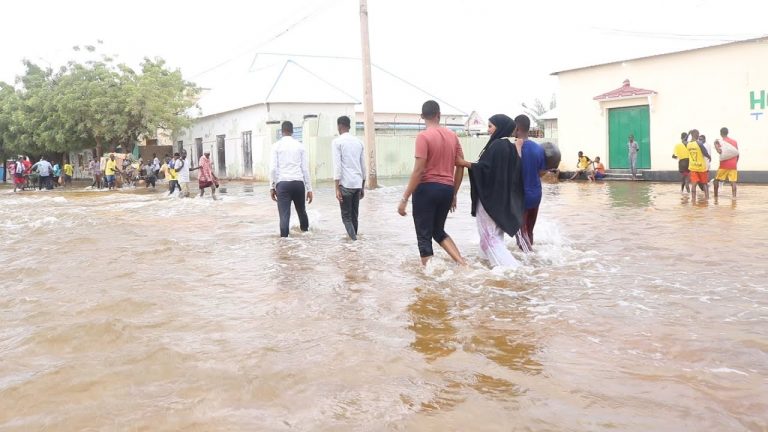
[(549, 115), (284, 82), (313, 79), (624, 91), (761, 39)]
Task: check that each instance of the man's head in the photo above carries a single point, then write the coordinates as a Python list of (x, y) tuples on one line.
[(112, 156), (176, 155), (631, 137), (287, 128), (694, 134), (597, 159), (522, 125), (154, 155), (683, 136), (344, 124), (723, 132), (430, 111), (21, 158), (207, 154), (184, 153), (581, 153)]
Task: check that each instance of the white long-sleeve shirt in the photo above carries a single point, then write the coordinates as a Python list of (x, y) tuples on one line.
[(290, 162), (348, 161)]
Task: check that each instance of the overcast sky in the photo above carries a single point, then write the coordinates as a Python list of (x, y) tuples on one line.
[(483, 55)]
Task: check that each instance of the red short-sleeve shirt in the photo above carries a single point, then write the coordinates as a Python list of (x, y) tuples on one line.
[(439, 146)]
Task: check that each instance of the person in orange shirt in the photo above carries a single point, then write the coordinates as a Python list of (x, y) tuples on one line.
[(599, 172)]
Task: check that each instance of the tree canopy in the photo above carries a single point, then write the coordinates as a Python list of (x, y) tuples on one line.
[(92, 103)]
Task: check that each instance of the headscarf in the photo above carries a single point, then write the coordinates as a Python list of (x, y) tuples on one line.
[(504, 128), (496, 178)]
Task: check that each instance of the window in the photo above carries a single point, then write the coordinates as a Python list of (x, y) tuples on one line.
[(199, 147), (247, 154), (221, 154), (180, 145)]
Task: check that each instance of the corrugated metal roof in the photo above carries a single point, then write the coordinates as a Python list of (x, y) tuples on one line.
[(624, 91), (313, 79)]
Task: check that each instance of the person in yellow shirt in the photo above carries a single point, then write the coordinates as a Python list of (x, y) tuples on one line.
[(697, 164), (681, 154), (109, 171), (173, 175), (69, 170), (583, 166)]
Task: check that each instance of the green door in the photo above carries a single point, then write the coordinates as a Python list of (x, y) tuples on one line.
[(623, 122)]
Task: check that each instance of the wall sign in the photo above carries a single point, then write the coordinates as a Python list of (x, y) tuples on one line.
[(757, 103)]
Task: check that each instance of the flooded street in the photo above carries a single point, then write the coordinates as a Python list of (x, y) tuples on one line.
[(131, 311)]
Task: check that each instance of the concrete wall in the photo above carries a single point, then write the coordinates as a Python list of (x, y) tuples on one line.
[(255, 119), (703, 89)]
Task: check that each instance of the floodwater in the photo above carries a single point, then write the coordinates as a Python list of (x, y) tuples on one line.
[(130, 311)]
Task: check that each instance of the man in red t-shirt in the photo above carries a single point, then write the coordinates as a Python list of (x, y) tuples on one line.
[(434, 183), (727, 170)]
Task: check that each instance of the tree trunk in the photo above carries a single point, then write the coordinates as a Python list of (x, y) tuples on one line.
[(98, 148)]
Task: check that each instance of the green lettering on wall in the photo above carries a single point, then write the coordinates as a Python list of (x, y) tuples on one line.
[(757, 101)]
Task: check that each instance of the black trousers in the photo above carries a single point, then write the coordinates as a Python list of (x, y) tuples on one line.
[(431, 204), (350, 206), (287, 192)]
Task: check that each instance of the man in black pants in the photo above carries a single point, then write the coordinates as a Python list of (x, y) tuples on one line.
[(434, 183), (348, 174), (289, 176)]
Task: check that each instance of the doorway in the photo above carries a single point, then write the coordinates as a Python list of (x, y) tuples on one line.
[(623, 122), (221, 156)]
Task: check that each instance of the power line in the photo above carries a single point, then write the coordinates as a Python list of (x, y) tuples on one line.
[(272, 38)]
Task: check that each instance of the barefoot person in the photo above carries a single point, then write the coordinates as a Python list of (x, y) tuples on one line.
[(206, 178), (497, 192), (727, 170), (348, 174), (681, 154), (434, 182), (632, 149), (533, 167), (289, 174), (698, 156)]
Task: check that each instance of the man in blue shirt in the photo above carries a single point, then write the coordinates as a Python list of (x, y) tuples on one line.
[(533, 167)]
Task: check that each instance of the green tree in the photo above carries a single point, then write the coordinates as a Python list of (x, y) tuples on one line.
[(538, 108), (92, 103)]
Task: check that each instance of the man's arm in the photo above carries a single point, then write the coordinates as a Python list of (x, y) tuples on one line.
[(307, 178), (273, 173), (418, 169), (363, 171), (336, 156)]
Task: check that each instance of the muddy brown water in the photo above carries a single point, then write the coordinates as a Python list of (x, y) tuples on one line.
[(130, 311)]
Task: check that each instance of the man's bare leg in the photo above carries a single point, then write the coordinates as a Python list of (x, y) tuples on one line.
[(453, 251)]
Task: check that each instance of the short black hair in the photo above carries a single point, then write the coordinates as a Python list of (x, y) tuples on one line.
[(287, 127), (523, 123), (430, 109), (176, 154), (724, 131), (695, 133), (344, 121), (683, 135)]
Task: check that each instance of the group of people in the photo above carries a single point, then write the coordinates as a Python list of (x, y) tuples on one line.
[(41, 174), (175, 169), (593, 169), (694, 158), (505, 183)]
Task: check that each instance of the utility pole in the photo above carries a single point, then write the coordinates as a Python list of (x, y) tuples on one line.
[(370, 128)]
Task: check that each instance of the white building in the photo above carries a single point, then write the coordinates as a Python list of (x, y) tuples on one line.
[(239, 117), (658, 97)]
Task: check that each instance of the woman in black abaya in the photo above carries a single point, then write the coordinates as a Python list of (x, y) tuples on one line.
[(497, 191)]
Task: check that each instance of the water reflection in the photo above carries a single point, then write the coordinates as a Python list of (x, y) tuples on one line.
[(629, 194)]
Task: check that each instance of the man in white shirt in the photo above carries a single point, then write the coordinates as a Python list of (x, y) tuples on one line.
[(289, 177), (45, 170), (183, 172), (348, 174)]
